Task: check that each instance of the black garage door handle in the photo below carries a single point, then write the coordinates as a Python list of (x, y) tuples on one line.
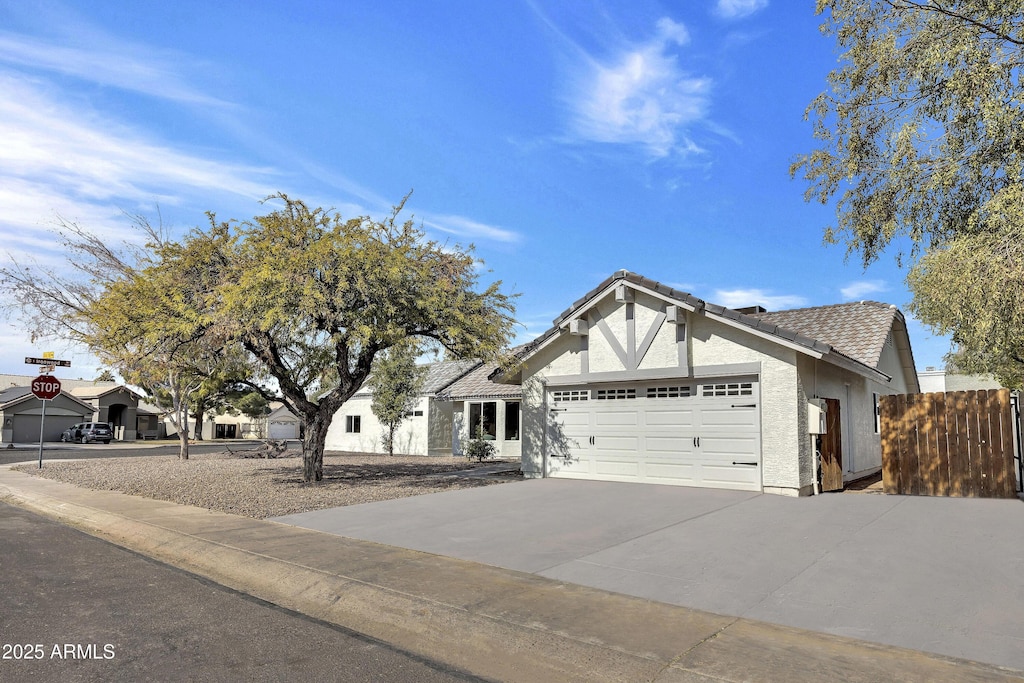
[(752, 464)]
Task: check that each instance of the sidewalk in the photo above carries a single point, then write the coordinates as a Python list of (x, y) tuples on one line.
[(496, 623)]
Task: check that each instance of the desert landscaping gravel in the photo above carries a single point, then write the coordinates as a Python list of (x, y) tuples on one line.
[(263, 488)]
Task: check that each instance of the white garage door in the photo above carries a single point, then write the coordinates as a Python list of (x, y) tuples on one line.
[(283, 430), (704, 433)]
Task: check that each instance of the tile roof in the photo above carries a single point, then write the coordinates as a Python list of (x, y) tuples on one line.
[(478, 384), (858, 330), (443, 373)]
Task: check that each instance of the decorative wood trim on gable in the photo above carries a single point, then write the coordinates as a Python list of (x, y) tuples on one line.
[(602, 325)]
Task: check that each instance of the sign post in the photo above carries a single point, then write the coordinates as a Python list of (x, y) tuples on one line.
[(46, 388)]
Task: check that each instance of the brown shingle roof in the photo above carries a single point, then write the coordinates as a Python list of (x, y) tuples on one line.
[(858, 330), (477, 384)]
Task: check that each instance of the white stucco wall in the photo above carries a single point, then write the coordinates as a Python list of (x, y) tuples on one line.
[(410, 439)]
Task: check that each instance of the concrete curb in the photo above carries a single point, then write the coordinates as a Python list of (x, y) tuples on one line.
[(492, 622)]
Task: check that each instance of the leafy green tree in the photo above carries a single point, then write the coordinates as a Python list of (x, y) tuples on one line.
[(314, 298), (105, 376), (254, 406), (921, 142), (136, 306), (972, 289), (396, 382)]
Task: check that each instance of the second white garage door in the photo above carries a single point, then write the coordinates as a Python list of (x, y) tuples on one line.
[(703, 433)]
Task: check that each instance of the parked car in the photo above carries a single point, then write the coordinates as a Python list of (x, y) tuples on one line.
[(87, 432)]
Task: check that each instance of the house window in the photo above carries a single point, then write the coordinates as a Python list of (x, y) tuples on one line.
[(512, 421), (668, 392), (353, 424), (414, 413), (615, 394), (731, 389), (483, 418)]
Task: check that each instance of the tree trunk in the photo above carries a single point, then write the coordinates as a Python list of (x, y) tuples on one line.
[(182, 444), (313, 446), (200, 415), (391, 438)]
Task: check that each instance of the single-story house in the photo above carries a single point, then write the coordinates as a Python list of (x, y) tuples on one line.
[(282, 424), (21, 413), (426, 431), (115, 405), (640, 382)]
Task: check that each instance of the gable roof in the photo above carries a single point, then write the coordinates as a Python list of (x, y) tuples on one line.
[(14, 395), (848, 335)]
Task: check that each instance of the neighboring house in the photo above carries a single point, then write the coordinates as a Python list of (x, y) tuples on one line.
[(426, 431), (115, 405), (479, 404), (21, 413), (279, 424), (640, 382), (932, 381)]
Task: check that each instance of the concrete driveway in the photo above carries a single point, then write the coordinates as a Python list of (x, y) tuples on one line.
[(942, 575)]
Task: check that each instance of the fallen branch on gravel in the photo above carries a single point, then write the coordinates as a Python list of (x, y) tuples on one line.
[(267, 449)]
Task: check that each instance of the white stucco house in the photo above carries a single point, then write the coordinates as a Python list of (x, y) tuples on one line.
[(427, 431), (456, 396), (640, 382)]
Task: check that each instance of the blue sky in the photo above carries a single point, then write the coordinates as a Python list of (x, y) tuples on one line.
[(565, 140)]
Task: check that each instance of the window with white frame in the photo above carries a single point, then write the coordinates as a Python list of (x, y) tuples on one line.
[(512, 421), (353, 424), (566, 395), (728, 389), (668, 392), (483, 420), (615, 394)]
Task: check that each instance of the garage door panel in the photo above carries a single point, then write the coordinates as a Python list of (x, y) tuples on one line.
[(713, 447), (662, 445), (606, 443), (614, 418), (678, 472), (727, 416), (657, 417), (617, 468)]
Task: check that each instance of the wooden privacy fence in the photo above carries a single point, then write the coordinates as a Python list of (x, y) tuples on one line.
[(951, 444)]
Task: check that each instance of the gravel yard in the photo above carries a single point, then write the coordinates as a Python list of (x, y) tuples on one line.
[(269, 488)]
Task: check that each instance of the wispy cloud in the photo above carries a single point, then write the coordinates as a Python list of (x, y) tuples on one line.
[(739, 298), (466, 227), (126, 66), (858, 290), (641, 95), (738, 9)]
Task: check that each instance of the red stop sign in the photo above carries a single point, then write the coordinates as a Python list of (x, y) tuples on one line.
[(45, 387)]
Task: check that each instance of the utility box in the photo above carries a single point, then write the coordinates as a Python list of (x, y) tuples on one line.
[(817, 412)]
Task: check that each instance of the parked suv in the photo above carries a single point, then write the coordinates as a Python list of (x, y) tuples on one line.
[(87, 432)]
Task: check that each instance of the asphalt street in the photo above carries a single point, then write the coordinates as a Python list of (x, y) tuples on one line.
[(76, 608)]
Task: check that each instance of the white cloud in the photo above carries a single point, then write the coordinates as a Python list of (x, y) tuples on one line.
[(123, 65), (856, 291), (642, 96), (465, 227), (737, 9), (741, 298)]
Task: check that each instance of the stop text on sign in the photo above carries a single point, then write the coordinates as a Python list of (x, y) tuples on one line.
[(45, 387)]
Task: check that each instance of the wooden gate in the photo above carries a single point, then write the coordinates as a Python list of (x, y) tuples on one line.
[(952, 444), (831, 448)]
